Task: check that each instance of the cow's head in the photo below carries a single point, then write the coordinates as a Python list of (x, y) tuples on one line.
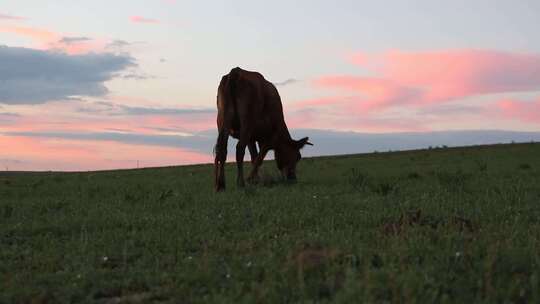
[(288, 155)]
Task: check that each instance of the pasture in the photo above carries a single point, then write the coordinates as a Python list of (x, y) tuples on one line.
[(455, 225)]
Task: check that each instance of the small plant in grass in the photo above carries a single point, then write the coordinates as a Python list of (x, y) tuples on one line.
[(524, 166), (413, 175), (269, 180), (455, 181), (358, 180), (384, 188), (7, 211), (481, 165)]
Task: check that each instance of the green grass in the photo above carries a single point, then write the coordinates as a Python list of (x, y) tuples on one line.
[(434, 226)]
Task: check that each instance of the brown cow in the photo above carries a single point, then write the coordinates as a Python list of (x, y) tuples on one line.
[(249, 109)]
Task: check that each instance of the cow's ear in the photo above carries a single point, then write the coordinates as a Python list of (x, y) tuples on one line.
[(302, 142)]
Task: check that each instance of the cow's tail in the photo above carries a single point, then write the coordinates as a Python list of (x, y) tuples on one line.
[(220, 149), (232, 81), (226, 116)]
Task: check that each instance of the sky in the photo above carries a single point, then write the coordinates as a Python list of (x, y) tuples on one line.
[(92, 85)]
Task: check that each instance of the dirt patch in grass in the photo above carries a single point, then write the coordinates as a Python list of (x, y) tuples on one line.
[(415, 218)]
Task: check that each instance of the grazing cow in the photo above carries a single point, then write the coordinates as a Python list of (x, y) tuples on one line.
[(249, 109)]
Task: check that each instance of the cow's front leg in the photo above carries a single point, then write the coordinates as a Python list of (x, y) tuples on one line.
[(253, 176), (240, 151), (252, 146)]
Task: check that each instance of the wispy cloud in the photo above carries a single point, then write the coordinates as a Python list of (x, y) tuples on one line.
[(100, 116), (117, 45), (71, 40), (11, 17), (137, 76), (6, 161), (140, 19), (286, 82), (451, 109), (113, 109), (9, 114)]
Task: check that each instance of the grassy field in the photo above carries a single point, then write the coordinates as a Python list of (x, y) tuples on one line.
[(433, 226)]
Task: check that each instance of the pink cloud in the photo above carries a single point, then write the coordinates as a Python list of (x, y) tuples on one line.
[(375, 93), (321, 102), (35, 34), (83, 141), (45, 119), (453, 74), (358, 58), (424, 78), (347, 118), (79, 47), (526, 111), (140, 19), (65, 119), (47, 40), (72, 155), (192, 123)]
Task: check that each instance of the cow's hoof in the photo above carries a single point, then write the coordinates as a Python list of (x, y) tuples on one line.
[(253, 180), (219, 188)]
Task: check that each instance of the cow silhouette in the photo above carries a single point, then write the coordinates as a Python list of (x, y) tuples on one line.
[(250, 110)]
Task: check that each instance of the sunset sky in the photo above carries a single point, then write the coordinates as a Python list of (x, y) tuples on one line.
[(88, 85)]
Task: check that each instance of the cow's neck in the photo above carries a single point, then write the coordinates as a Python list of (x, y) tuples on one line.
[(284, 134)]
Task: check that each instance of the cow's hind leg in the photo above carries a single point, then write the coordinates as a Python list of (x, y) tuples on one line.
[(221, 157), (240, 152)]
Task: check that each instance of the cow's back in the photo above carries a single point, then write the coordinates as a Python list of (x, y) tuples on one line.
[(246, 97)]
